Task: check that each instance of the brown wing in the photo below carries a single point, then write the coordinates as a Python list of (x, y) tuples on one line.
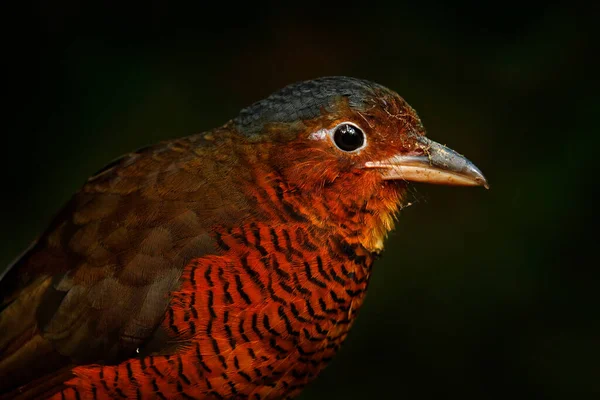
[(96, 285)]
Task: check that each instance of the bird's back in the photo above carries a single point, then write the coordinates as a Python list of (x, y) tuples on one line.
[(96, 285)]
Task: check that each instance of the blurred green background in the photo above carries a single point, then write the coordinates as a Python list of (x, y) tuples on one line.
[(480, 294)]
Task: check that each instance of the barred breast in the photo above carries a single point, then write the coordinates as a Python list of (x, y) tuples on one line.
[(260, 319)]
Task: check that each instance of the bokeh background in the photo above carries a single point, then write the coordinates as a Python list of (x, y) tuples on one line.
[(480, 294)]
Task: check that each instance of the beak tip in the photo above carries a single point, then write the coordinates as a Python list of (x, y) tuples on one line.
[(480, 181), (472, 173), (477, 175), (439, 165)]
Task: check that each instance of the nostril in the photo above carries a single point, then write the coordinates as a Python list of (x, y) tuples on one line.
[(415, 151)]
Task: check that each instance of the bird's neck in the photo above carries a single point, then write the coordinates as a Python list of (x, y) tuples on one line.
[(287, 284), (341, 211)]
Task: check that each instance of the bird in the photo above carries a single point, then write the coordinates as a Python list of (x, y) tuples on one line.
[(226, 264)]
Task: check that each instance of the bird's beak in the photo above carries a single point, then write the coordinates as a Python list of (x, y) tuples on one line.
[(438, 165)]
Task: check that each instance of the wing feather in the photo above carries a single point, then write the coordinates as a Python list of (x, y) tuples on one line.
[(96, 285)]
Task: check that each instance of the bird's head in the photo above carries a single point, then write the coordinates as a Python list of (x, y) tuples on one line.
[(354, 143)]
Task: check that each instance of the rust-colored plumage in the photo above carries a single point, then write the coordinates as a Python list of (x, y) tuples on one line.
[(228, 264)]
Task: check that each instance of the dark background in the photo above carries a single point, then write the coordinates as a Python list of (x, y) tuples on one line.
[(480, 294)]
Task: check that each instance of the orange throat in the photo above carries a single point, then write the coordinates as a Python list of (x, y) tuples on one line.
[(364, 221)]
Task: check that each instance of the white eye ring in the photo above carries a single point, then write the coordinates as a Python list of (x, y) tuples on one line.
[(328, 134)]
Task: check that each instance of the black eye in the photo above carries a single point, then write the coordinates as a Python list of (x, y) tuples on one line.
[(348, 137)]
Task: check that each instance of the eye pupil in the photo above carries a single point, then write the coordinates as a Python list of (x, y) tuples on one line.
[(348, 137)]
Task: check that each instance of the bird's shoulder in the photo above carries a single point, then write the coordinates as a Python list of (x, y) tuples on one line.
[(111, 257)]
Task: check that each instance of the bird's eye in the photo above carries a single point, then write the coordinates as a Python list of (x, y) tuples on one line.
[(348, 137)]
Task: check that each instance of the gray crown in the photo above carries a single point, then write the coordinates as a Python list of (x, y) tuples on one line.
[(304, 100)]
